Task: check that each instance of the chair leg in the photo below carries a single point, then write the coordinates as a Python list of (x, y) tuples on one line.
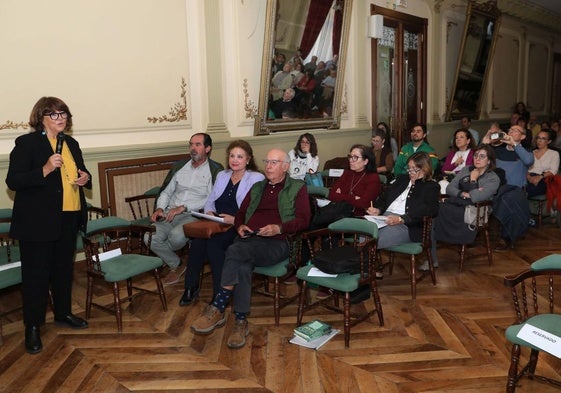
[(431, 266), (276, 301), (377, 301), (462, 256), (533, 363), (89, 295), (117, 302), (347, 316), (391, 262), (414, 278), (161, 291), (513, 370), (488, 245), (301, 300), (540, 211), (129, 289)]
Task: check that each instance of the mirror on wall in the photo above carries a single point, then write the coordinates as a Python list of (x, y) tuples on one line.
[(474, 60), (304, 56)]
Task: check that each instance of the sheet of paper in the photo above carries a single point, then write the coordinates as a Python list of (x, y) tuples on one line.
[(207, 216), (109, 254), (8, 266), (336, 172), (540, 338), (315, 272), (317, 343), (380, 221), (322, 202)]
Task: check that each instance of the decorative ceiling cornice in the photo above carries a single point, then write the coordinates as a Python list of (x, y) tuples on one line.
[(10, 125), (532, 13)]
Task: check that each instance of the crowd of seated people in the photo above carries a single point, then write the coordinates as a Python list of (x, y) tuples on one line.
[(313, 83)]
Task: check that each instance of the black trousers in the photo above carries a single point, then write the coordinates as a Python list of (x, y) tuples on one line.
[(49, 264)]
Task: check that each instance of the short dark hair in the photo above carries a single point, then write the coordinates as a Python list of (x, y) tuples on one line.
[(471, 143), (207, 140), (46, 106), (490, 155), (366, 153)]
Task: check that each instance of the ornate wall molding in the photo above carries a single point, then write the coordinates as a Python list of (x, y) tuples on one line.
[(249, 106), (344, 108), (178, 111), (10, 125)]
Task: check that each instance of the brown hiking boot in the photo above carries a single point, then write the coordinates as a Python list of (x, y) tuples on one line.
[(240, 332), (210, 319)]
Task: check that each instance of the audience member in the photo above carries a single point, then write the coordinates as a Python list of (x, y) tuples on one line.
[(390, 142), (382, 154), (278, 63), (512, 157), (466, 123), (230, 189), (281, 81), (304, 157), (473, 184), (273, 208), (520, 109), (546, 163), (297, 73), (461, 153), (406, 202), (312, 64), (185, 188), (418, 143), (360, 185), (285, 107)]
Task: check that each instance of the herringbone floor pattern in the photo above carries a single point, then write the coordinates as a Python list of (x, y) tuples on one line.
[(450, 340)]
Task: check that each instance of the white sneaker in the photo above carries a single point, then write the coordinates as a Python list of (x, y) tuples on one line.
[(424, 267)]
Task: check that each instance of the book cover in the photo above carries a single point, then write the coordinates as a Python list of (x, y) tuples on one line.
[(312, 330), (314, 344)]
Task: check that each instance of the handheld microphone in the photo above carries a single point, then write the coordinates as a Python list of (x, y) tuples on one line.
[(59, 142)]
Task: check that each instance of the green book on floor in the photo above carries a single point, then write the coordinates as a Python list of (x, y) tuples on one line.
[(312, 330)]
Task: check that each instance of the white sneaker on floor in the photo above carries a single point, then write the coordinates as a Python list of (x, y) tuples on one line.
[(424, 267)]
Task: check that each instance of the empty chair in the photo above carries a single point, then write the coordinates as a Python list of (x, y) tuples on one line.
[(10, 265), (131, 259), (533, 294), (142, 205)]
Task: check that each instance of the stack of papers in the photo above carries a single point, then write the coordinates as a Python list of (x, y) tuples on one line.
[(207, 216), (317, 343), (380, 221), (312, 330)]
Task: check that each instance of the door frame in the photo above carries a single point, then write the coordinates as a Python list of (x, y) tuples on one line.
[(400, 19)]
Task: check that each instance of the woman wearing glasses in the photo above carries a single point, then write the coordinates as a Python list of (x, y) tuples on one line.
[(546, 163), (48, 174), (406, 202), (473, 184), (304, 157), (360, 185)]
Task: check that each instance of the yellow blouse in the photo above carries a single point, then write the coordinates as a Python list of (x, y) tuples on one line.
[(69, 174)]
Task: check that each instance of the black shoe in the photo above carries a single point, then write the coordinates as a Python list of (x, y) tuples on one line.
[(73, 321), (33, 342), (189, 296), (503, 245)]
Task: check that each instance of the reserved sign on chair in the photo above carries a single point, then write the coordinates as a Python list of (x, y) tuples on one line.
[(542, 339)]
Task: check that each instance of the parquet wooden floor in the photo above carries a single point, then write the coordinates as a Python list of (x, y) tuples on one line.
[(450, 340)]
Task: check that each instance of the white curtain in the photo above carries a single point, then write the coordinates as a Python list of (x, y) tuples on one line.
[(323, 47)]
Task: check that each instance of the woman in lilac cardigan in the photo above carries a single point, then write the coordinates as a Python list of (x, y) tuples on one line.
[(230, 189)]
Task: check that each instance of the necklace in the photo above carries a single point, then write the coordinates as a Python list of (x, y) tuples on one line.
[(353, 184)]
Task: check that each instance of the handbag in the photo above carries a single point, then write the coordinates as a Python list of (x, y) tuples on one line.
[(471, 219), (314, 179), (330, 213), (338, 260), (204, 229)]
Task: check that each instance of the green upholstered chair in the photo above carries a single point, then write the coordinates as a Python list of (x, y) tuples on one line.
[(534, 292), (355, 232), (415, 249), (142, 205), (98, 219), (278, 273), (10, 268), (133, 261), (6, 215)]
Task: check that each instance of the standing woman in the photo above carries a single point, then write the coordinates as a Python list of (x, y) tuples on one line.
[(228, 193), (48, 174), (304, 157)]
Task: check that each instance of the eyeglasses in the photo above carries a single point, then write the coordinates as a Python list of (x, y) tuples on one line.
[(272, 162), (56, 115), (353, 158), (480, 156), (305, 142), (413, 170), (542, 138)]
